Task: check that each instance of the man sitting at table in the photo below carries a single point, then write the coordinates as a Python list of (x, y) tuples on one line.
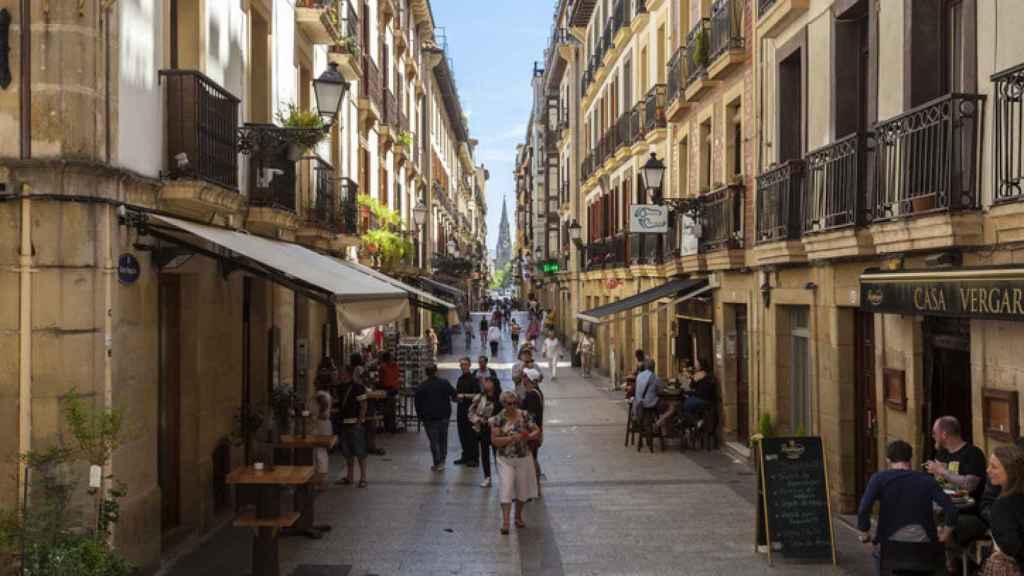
[(645, 398), (905, 496)]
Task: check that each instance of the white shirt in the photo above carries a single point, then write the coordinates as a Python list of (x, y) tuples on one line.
[(494, 333), (551, 347)]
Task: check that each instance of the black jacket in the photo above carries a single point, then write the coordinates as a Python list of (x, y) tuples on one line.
[(1007, 524), (467, 384), (434, 399)]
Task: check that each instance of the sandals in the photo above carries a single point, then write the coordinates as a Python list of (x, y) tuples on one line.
[(504, 530), (520, 524)]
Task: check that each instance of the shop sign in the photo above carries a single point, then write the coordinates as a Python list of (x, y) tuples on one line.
[(551, 267), (648, 219), (689, 236), (128, 269), (988, 299)]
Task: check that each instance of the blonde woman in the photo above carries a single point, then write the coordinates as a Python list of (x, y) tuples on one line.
[(1006, 470), (511, 432)]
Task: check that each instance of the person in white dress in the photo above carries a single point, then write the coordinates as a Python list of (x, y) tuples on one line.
[(552, 350)]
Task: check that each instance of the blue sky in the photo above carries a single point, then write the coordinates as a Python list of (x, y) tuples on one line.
[(493, 44)]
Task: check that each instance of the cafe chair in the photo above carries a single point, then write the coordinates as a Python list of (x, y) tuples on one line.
[(912, 558)]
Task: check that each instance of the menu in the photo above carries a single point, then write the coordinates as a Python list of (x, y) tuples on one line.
[(796, 497)]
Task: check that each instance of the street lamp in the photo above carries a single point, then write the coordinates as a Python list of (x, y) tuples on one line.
[(653, 171), (574, 232), (329, 90), (419, 214)]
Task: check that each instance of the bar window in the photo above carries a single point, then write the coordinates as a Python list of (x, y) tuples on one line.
[(1001, 415)]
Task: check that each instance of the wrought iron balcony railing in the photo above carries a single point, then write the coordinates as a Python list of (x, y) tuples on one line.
[(697, 44), (927, 158), (390, 112), (779, 190), (676, 80), (202, 127), (637, 123), (623, 126), (1008, 126), (641, 7), (645, 248), (272, 182), (654, 108), (349, 197), (836, 185), (726, 27), (721, 219), (370, 87)]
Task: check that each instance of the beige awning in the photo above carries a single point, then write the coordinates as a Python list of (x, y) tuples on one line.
[(361, 300), (419, 298)]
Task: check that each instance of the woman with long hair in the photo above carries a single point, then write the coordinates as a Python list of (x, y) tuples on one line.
[(480, 412), (511, 431), (1006, 470), (533, 404)]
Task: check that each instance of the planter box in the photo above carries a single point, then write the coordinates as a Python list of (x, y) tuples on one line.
[(348, 65)]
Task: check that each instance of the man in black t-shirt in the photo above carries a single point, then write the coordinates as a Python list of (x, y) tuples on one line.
[(434, 399), (467, 387), (352, 413), (960, 465)]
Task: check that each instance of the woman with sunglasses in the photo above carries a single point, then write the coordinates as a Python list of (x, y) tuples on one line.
[(511, 432)]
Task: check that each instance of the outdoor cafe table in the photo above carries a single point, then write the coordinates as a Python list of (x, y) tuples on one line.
[(302, 449), (265, 561)]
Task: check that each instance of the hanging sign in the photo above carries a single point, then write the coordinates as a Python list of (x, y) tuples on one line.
[(689, 236), (648, 219), (128, 269)]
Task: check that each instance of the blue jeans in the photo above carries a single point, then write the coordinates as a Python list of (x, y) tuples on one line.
[(694, 405), (437, 433)]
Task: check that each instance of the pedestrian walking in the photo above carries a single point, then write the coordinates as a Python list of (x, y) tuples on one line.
[(585, 348), (432, 338), (434, 399), (480, 412), (552, 351), (494, 338), (352, 413), (511, 430), (483, 372), (533, 331), (467, 329), (483, 329), (533, 404), (525, 361), (467, 388), (514, 330), (359, 376)]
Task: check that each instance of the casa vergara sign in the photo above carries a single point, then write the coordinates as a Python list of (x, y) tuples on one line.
[(988, 293)]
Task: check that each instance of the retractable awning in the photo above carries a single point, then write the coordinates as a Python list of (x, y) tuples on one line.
[(679, 290), (417, 297), (360, 300), (439, 286)]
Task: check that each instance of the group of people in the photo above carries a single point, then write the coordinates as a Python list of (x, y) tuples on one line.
[(647, 403), (505, 423), (908, 498)]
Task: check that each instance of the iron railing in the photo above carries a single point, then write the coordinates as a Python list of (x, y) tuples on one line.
[(676, 81), (278, 192), (927, 158), (779, 190), (645, 248), (641, 6), (370, 87), (763, 6), (202, 127), (836, 185), (721, 218), (726, 27), (637, 125), (349, 197), (1008, 132), (623, 126), (322, 207), (654, 105), (390, 112), (698, 40)]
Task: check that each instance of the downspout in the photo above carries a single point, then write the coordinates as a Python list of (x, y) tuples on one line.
[(25, 71), (25, 337), (108, 331)]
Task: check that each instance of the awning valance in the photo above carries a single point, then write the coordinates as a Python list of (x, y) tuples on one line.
[(990, 292), (360, 300), (439, 286), (679, 289), (423, 299)]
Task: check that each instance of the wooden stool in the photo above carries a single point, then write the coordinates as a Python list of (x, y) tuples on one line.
[(647, 418), (629, 424)]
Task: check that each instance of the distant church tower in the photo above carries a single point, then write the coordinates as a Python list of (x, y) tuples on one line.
[(503, 252)]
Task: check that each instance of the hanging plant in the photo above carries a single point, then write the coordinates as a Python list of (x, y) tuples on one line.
[(404, 139), (347, 45), (305, 128)]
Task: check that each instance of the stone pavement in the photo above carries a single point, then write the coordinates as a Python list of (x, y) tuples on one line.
[(606, 509)]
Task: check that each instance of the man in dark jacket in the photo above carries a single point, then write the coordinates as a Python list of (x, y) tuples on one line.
[(434, 399), (467, 387)]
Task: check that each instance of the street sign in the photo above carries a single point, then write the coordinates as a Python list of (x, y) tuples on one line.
[(128, 269), (689, 236), (648, 219)]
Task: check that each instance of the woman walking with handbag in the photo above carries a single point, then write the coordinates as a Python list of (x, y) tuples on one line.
[(511, 431), (480, 412), (533, 404)]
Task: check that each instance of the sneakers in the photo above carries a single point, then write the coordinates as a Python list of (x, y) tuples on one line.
[(486, 483), (459, 462)]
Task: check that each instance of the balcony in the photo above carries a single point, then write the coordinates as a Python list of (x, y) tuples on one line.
[(637, 125), (774, 15), (624, 126), (317, 20), (202, 148), (370, 98), (606, 253), (779, 191), (927, 164), (328, 209), (389, 116), (272, 200), (1008, 156), (676, 86), (698, 42), (727, 42), (645, 249), (654, 108), (346, 53), (721, 219)]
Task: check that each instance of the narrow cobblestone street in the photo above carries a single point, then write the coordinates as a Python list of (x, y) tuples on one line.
[(605, 510)]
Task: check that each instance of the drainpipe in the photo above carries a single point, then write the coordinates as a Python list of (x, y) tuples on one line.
[(25, 336), (25, 87), (108, 330)]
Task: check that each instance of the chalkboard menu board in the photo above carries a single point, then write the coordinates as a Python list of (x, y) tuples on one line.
[(796, 497)]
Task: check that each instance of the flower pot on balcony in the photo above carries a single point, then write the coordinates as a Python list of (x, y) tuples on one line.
[(922, 204), (295, 152)]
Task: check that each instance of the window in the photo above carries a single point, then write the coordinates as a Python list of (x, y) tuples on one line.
[(790, 102), (705, 156), (734, 139), (627, 84), (682, 169), (643, 69), (661, 57), (851, 65)]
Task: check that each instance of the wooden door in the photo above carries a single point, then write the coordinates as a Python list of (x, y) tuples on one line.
[(169, 440), (947, 361), (866, 407), (742, 379)]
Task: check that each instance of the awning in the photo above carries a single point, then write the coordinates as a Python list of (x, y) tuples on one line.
[(679, 290), (438, 286), (360, 300), (989, 292), (417, 297)]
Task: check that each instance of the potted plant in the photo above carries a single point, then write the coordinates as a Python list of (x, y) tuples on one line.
[(282, 402), (922, 203), (307, 126), (404, 139)]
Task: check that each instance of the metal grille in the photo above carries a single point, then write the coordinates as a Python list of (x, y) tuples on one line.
[(655, 107), (722, 219), (1008, 129), (697, 45), (835, 185), (726, 27), (778, 202)]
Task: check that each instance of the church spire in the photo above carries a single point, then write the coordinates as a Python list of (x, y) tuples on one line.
[(503, 251)]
